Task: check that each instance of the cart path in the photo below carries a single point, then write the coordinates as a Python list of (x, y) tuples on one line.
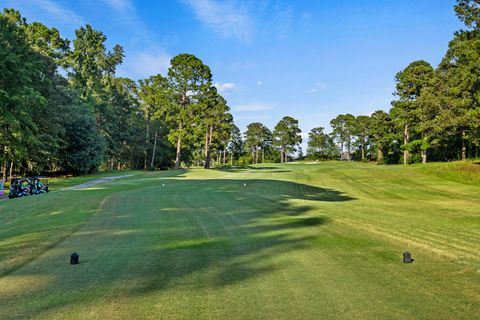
[(84, 185), (95, 182)]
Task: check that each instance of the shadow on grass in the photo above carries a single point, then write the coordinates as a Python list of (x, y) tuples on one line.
[(31, 225), (255, 169), (194, 233)]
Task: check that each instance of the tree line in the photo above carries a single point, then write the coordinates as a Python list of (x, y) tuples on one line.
[(63, 109), (435, 114)]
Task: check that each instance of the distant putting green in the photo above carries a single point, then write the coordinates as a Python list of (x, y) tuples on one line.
[(293, 241)]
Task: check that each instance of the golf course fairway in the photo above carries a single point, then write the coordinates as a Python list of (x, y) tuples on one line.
[(292, 241)]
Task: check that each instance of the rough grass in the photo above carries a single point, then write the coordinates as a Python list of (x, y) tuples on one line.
[(320, 241)]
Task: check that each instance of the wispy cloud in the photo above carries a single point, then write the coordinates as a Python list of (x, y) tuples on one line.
[(126, 17), (144, 56), (143, 64), (252, 107), (222, 87), (119, 5), (283, 20), (318, 86), (225, 18), (59, 12)]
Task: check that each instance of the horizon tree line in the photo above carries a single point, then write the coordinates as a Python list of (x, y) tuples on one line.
[(435, 114), (63, 109)]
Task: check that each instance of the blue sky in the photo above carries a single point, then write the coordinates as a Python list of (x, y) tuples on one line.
[(308, 59)]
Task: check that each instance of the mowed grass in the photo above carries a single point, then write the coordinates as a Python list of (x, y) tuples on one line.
[(294, 241)]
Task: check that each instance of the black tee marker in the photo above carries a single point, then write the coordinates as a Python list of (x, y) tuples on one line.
[(407, 257), (74, 258)]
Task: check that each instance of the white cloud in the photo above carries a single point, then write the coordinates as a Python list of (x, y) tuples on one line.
[(223, 18), (221, 87), (143, 64), (259, 83), (317, 87), (252, 107), (60, 13)]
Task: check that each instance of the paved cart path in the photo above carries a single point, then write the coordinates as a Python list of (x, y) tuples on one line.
[(83, 185), (95, 182)]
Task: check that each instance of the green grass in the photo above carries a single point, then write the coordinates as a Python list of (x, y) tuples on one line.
[(299, 241)]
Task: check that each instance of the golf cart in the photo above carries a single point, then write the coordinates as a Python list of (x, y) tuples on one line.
[(19, 187), (38, 185)]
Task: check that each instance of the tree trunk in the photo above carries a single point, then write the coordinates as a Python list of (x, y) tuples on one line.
[(178, 155), (206, 143), (11, 171), (424, 156), (363, 149), (154, 150), (424, 152), (348, 149), (224, 155), (379, 155), (231, 158), (147, 137), (464, 146), (4, 171), (406, 153), (206, 165)]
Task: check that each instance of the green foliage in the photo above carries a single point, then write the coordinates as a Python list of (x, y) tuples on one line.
[(257, 138), (321, 145), (343, 127), (19, 93), (188, 78), (361, 129), (91, 119), (236, 143), (468, 11), (82, 148), (89, 63), (286, 136)]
